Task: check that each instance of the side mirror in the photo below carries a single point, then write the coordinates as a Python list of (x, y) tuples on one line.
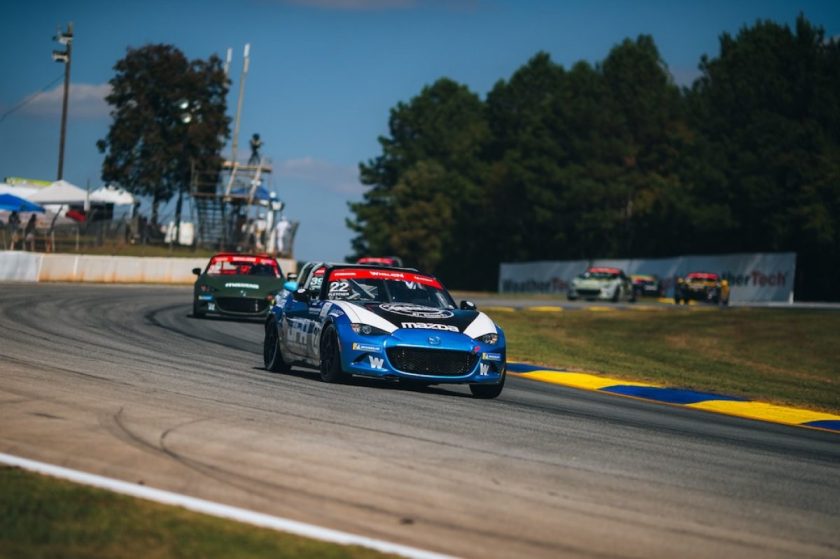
[(290, 286), (301, 295), (468, 306), (197, 271)]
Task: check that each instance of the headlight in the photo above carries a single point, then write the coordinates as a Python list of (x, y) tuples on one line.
[(367, 330), (489, 339), (204, 288)]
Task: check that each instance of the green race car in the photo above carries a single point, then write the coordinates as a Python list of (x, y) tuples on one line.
[(237, 285)]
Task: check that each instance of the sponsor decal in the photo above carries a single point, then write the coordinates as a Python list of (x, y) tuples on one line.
[(483, 369), (325, 310), (245, 285), (365, 273), (757, 279), (376, 362), (434, 340), (366, 347), (491, 356), (205, 297), (430, 326), (211, 306), (415, 311)]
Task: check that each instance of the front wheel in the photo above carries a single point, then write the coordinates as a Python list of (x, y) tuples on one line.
[(330, 356), (272, 356), (487, 391)]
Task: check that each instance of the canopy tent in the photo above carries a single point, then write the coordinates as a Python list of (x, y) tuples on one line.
[(260, 193), (112, 195), (60, 192), (12, 203), (20, 191)]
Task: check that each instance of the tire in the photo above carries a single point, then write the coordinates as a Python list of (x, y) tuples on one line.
[(488, 391), (616, 295), (330, 356), (196, 312), (272, 356)]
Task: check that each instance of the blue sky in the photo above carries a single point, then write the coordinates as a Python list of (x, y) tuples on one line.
[(325, 73)]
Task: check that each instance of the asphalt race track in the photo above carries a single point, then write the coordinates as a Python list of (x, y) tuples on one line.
[(121, 381)]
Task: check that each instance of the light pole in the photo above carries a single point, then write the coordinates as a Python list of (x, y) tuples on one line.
[(189, 110), (65, 56)]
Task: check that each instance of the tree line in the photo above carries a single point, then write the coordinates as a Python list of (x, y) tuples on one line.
[(614, 160)]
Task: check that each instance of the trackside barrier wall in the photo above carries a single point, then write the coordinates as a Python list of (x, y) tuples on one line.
[(32, 267), (753, 277)]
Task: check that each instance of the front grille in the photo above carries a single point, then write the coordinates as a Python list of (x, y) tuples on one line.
[(589, 292), (421, 361), (241, 304)]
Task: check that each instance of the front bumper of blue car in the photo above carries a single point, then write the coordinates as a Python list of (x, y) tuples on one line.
[(424, 355)]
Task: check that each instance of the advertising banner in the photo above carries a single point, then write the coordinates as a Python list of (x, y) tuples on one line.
[(753, 277)]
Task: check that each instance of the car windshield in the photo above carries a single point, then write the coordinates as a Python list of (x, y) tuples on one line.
[(697, 278), (243, 266), (599, 274), (383, 286)]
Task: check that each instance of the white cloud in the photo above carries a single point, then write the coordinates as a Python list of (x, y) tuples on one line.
[(323, 175), (85, 101)]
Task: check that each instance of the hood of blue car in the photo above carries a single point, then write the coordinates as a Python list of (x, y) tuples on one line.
[(405, 315)]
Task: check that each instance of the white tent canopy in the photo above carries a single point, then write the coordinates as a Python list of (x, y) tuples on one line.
[(60, 192), (112, 195), (20, 191)]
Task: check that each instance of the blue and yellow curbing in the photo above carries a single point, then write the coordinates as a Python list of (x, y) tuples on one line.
[(707, 401)]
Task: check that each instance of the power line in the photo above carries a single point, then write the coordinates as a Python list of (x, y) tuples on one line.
[(31, 97)]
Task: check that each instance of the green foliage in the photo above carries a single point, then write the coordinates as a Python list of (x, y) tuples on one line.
[(614, 160), (150, 149), (424, 179)]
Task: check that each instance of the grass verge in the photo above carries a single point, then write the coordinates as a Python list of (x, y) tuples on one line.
[(44, 517), (780, 355)]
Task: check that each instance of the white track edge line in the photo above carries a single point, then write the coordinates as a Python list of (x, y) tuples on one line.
[(218, 509)]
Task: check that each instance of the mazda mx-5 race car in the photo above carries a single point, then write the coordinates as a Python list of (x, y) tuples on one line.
[(237, 285), (646, 285), (389, 323), (608, 284), (702, 286)]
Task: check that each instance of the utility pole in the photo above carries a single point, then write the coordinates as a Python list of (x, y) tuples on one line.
[(242, 77), (64, 56)]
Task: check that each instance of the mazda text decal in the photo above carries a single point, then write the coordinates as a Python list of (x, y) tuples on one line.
[(245, 285), (429, 326), (415, 311)]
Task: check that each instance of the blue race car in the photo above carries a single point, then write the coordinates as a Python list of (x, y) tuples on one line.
[(390, 323)]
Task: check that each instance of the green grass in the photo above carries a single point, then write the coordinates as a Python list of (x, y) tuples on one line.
[(43, 517), (778, 355)]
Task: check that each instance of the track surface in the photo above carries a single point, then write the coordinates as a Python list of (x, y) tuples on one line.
[(121, 381)]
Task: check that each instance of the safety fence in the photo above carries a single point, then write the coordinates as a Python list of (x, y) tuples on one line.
[(35, 267), (752, 277)]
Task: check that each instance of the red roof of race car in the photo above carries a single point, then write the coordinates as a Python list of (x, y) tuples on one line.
[(237, 257), (702, 276), (603, 270), (366, 273), (385, 260)]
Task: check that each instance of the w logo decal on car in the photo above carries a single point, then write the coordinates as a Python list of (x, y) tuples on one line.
[(376, 362), (485, 368)]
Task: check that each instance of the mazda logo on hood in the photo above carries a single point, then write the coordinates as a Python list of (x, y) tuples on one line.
[(415, 311)]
